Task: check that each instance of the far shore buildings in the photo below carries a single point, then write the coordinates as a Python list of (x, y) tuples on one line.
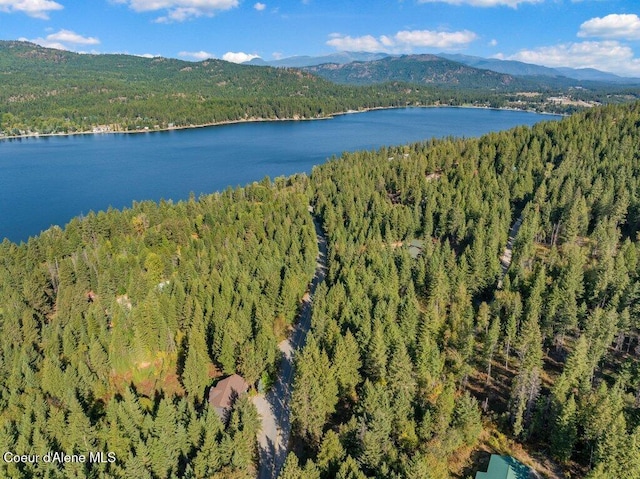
[(225, 392)]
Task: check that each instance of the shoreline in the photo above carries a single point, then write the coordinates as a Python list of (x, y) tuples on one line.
[(265, 120), (64, 222)]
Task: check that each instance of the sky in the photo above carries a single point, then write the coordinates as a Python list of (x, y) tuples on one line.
[(602, 34)]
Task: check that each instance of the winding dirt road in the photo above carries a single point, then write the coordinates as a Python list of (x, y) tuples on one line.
[(273, 439), (505, 259)]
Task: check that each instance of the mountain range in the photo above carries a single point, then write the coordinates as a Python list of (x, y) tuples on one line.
[(517, 68), (509, 67), (308, 61), (416, 69)]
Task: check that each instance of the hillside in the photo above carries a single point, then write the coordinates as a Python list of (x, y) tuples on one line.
[(522, 69), (74, 92), (46, 90), (419, 326), (416, 69), (305, 61), (468, 73)]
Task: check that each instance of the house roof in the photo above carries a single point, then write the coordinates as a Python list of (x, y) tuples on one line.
[(504, 467), (227, 390), (415, 248)]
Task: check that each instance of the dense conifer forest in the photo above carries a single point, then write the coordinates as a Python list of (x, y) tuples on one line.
[(424, 359), (113, 328), (421, 354)]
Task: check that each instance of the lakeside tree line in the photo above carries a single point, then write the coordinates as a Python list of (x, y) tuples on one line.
[(112, 329)]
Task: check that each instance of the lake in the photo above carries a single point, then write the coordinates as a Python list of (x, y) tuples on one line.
[(49, 180)]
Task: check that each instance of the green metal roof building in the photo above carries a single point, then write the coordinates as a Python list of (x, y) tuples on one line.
[(504, 467), (415, 248)]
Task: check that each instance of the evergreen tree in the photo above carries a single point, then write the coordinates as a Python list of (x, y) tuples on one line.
[(195, 376), (315, 392), (565, 433), (346, 365)]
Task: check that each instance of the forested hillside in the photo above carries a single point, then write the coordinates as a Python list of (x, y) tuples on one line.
[(418, 69), (48, 91), (54, 91), (420, 356), (424, 359)]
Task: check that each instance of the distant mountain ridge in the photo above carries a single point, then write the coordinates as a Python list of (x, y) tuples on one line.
[(422, 69), (509, 67), (517, 68), (307, 61)]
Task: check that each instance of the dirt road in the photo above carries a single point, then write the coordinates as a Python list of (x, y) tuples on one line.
[(505, 259), (273, 439)]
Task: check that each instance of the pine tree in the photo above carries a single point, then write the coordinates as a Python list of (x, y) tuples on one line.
[(490, 344), (526, 385), (346, 365), (564, 434), (375, 425), (315, 392), (195, 375), (349, 470), (376, 358), (331, 454), (468, 419), (402, 385)]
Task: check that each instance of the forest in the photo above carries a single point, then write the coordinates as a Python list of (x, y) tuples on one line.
[(48, 91), (425, 359), (112, 329), (422, 354)]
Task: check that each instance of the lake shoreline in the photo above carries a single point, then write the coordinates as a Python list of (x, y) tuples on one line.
[(93, 173), (264, 120)]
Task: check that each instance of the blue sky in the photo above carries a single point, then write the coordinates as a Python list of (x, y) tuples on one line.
[(603, 34)]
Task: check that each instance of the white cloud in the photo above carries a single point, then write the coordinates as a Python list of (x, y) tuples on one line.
[(366, 43), (483, 3), (180, 10), (609, 55), (429, 38), (277, 55), (64, 40), (493, 43), (612, 26), (44, 43), (201, 55), (67, 36), (238, 57), (33, 8), (402, 41), (259, 6)]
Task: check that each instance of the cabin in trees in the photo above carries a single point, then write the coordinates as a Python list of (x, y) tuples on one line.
[(223, 395), (415, 248), (504, 467)]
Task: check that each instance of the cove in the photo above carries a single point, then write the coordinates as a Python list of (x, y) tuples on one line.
[(49, 180)]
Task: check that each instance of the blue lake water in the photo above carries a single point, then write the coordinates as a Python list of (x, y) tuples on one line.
[(49, 180)]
